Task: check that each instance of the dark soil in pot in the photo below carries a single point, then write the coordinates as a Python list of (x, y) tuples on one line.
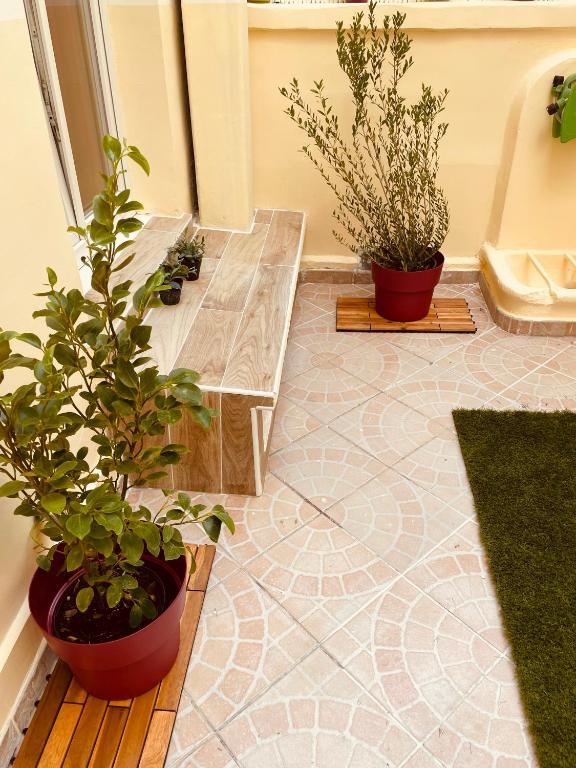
[(101, 624), (171, 296), (405, 296), (193, 265)]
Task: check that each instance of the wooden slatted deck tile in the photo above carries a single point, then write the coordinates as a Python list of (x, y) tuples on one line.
[(445, 316), (71, 729)]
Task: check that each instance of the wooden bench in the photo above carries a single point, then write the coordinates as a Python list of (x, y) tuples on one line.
[(232, 327)]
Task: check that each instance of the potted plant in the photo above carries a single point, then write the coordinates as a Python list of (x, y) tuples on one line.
[(189, 252), (174, 273), (385, 175), (84, 428)]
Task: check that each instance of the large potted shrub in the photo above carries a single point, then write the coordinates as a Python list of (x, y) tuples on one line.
[(75, 438), (383, 168)]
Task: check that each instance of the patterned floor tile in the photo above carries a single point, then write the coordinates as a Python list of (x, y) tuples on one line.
[(323, 467), (438, 390), (380, 363), (265, 520), (545, 389), (327, 392), (456, 575), (413, 655), (396, 519), (317, 716), (321, 575), (290, 423), (386, 428), (565, 361), (190, 730), (324, 295), (497, 363), (488, 729), (437, 467), (211, 754), (245, 642), (304, 311)]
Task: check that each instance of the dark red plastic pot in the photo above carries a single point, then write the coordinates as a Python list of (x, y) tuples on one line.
[(120, 669), (405, 296)]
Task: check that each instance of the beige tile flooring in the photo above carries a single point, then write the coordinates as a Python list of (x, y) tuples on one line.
[(351, 622)]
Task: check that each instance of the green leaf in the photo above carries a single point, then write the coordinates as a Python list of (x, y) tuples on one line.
[(212, 527), (112, 147), (12, 487), (54, 503), (126, 374), (52, 278), (148, 609), (44, 562), (114, 594), (140, 335), (128, 582), (135, 617), (84, 599), (79, 525), (30, 338), (132, 546), (133, 205), (102, 210), (64, 355), (75, 557), (139, 159)]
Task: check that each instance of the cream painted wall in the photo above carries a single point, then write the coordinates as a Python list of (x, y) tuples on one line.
[(481, 53), (33, 236), (147, 63), (216, 41)]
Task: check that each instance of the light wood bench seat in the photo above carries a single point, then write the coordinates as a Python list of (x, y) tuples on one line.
[(232, 327)]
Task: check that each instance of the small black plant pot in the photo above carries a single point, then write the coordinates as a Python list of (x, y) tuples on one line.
[(193, 265), (171, 296)]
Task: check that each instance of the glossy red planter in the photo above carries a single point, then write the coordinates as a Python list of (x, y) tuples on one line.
[(405, 296), (119, 669)]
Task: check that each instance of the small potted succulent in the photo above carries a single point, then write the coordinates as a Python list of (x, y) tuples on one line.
[(190, 252), (174, 273), (84, 428), (385, 177)]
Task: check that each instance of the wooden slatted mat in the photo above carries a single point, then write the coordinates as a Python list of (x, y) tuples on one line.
[(71, 729), (445, 316)]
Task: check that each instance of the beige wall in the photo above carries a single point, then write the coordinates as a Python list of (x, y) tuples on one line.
[(33, 236), (481, 52), (146, 61)]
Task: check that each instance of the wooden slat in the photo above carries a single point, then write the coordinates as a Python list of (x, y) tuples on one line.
[(109, 738), (198, 581), (60, 736), (281, 247), (44, 717), (168, 223), (355, 313), (171, 325), (263, 216), (115, 734), (134, 736), (235, 270), (201, 468), (157, 740), (238, 471), (75, 693), (171, 687), (208, 345), (258, 347), (86, 733), (215, 241)]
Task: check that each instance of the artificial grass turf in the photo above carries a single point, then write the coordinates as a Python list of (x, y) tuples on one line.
[(522, 470)]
